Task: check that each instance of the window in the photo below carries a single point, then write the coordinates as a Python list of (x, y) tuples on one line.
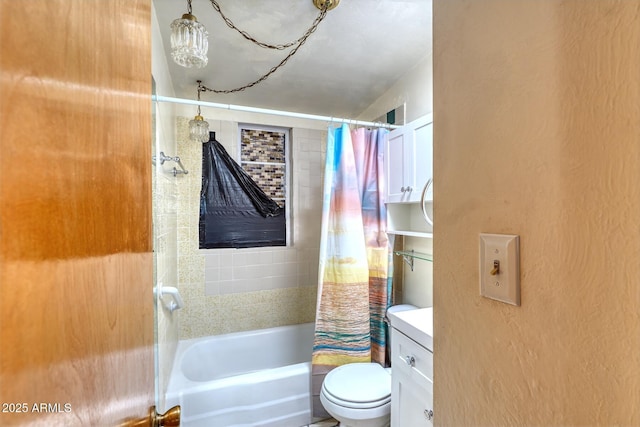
[(243, 204), (263, 157)]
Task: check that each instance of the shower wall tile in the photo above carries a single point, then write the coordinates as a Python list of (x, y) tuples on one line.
[(292, 255), (279, 256), (212, 288), (226, 258), (212, 259), (243, 259), (226, 287), (225, 273), (228, 290), (212, 275), (254, 310), (265, 258)]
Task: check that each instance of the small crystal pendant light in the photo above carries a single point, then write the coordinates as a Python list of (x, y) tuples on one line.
[(198, 127), (189, 43)]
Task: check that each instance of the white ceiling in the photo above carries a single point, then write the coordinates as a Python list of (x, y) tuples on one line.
[(360, 50)]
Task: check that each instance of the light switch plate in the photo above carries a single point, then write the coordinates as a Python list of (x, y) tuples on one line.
[(503, 251)]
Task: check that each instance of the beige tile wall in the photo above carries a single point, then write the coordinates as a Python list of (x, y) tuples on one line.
[(229, 290)]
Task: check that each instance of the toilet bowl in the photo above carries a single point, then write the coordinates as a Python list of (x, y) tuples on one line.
[(358, 395)]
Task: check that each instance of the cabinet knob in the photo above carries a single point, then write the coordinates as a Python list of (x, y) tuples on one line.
[(403, 189), (428, 414), (411, 361), (409, 188)]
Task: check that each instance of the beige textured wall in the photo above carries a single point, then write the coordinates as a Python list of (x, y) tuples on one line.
[(537, 133)]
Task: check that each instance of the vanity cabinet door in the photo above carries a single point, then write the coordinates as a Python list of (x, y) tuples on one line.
[(411, 382), (408, 160), (411, 403)]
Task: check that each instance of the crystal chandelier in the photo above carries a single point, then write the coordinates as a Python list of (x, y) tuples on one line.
[(189, 43), (198, 127)]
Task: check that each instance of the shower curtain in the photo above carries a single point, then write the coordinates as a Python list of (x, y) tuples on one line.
[(354, 276), (368, 147)]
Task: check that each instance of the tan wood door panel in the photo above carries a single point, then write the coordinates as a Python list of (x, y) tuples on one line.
[(76, 314)]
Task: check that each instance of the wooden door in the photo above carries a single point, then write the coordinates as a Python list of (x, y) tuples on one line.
[(76, 314)]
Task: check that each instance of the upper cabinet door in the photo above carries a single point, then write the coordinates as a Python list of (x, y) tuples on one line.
[(422, 157), (399, 143), (409, 160)]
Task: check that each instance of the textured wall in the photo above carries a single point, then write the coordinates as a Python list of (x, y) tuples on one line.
[(537, 133)]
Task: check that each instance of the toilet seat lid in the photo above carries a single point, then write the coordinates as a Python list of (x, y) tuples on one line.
[(361, 385)]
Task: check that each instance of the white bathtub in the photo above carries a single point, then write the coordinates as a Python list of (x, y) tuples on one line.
[(256, 378)]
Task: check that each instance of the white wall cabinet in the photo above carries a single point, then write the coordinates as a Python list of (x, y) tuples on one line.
[(407, 219), (408, 167), (409, 160)]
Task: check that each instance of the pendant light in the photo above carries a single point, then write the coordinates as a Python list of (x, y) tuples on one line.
[(198, 127), (189, 43), (188, 33)]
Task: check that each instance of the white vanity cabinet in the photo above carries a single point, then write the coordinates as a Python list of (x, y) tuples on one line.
[(409, 160), (412, 368)]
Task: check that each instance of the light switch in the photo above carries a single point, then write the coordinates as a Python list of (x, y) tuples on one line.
[(500, 267)]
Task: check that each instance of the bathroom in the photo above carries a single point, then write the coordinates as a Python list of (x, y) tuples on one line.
[(530, 98), (510, 216), (237, 290)]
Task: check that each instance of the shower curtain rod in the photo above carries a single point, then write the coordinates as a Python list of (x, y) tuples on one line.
[(160, 98)]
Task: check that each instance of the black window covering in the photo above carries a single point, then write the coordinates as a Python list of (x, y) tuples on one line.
[(234, 211)]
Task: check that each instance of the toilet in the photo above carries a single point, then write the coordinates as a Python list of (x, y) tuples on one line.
[(359, 394)]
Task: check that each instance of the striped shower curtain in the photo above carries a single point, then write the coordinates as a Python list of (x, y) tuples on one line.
[(354, 275)]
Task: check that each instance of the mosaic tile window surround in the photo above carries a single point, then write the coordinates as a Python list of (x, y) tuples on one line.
[(262, 155)]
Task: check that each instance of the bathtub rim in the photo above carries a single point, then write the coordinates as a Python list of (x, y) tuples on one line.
[(178, 381)]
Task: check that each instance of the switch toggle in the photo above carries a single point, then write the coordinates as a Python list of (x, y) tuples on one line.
[(500, 267), (496, 268)]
